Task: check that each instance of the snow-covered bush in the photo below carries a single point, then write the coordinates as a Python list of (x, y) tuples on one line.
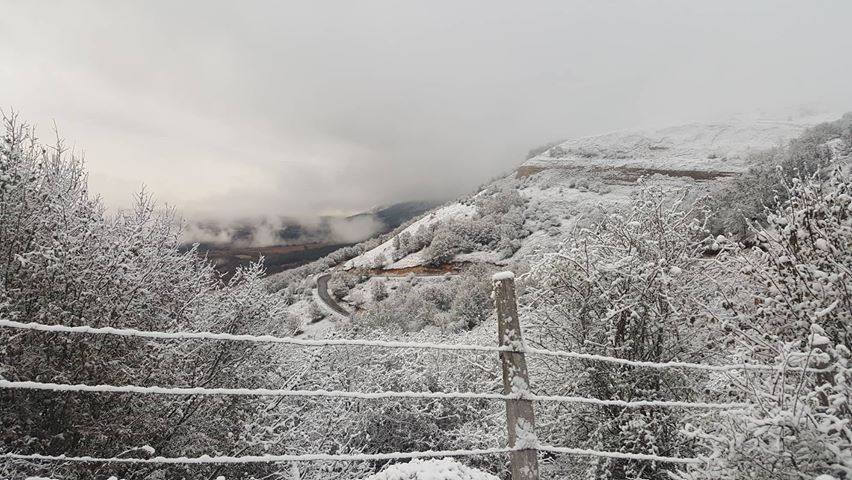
[(472, 303), (801, 315), (806, 261), (797, 425), (630, 287), (378, 290), (341, 283), (338, 425), (295, 324), (315, 313), (406, 310), (443, 248), (453, 304)]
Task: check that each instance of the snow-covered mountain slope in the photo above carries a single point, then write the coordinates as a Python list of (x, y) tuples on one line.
[(381, 256), (701, 147), (569, 181)]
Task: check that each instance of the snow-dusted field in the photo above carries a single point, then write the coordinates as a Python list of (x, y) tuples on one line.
[(716, 146)]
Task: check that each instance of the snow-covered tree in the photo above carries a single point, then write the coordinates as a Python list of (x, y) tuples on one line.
[(472, 302), (378, 290), (65, 260), (443, 248), (315, 313), (339, 284)]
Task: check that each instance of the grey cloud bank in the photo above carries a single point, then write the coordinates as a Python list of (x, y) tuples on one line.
[(230, 110)]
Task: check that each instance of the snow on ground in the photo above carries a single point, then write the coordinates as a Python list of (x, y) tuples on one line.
[(715, 146), (318, 329), (416, 259), (384, 251), (488, 256), (443, 469), (566, 185), (300, 310), (410, 260)]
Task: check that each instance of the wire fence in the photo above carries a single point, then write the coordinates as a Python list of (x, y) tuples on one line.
[(511, 351), (335, 342)]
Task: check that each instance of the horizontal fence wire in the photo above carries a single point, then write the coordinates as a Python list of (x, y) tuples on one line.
[(355, 457), (129, 332), (305, 342), (137, 389)]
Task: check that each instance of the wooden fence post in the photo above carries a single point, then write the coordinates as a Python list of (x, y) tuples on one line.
[(520, 417)]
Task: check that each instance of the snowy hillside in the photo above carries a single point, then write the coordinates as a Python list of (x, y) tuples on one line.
[(706, 147), (569, 181), (381, 256)]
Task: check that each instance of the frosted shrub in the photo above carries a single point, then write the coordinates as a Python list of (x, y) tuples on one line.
[(497, 225), (341, 283), (798, 426), (452, 304), (378, 290), (631, 287), (807, 261), (472, 304), (443, 248), (315, 313)]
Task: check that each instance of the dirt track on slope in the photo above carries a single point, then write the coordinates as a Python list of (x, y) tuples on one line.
[(625, 173), (451, 268)]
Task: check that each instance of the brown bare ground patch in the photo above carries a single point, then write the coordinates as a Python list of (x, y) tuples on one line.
[(633, 173), (452, 267), (528, 170), (627, 174)]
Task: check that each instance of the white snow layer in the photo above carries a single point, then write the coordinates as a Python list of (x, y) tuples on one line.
[(716, 146), (502, 276), (435, 469), (384, 251)]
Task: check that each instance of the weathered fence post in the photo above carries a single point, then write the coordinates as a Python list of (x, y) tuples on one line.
[(520, 417)]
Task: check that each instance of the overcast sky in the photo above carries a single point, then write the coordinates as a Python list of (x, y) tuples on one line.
[(298, 108)]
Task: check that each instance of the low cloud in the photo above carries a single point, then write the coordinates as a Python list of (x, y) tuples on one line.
[(351, 230), (261, 232), (230, 111)]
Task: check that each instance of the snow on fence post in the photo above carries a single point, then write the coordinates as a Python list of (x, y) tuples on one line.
[(520, 417)]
